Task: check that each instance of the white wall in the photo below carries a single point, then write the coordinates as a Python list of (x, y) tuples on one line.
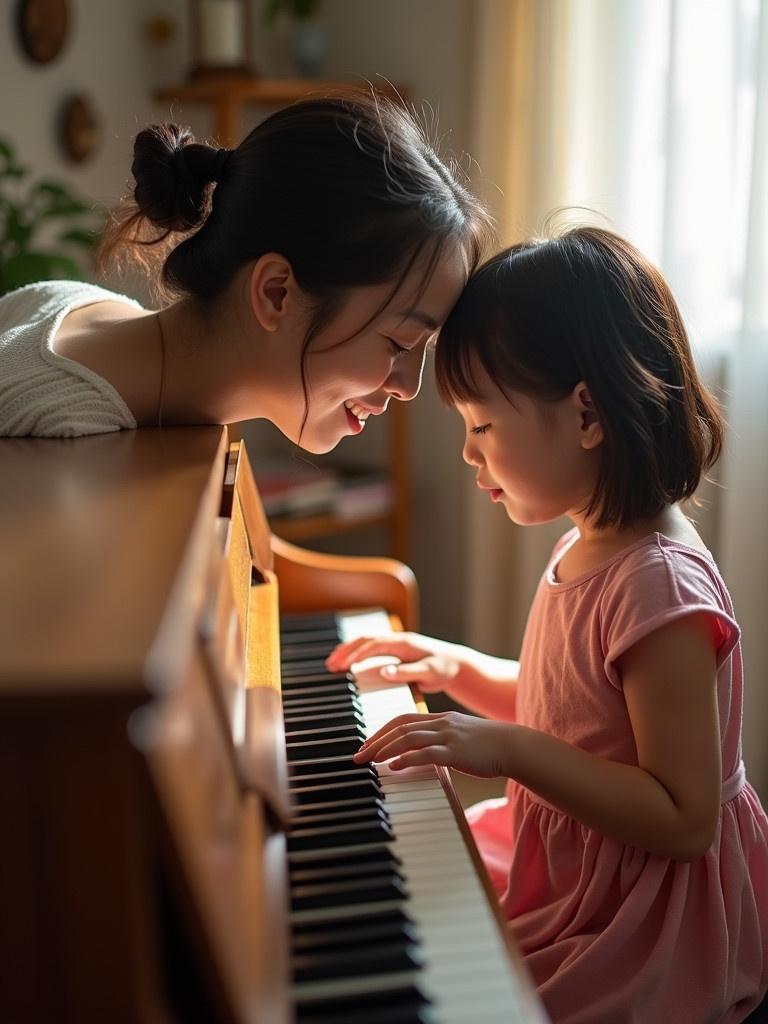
[(104, 57)]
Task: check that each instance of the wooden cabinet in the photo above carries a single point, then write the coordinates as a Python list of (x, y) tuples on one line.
[(227, 98)]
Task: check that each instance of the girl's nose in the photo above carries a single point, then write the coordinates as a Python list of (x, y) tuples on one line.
[(469, 451), (405, 379)]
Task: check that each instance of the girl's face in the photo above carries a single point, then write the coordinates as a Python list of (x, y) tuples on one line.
[(539, 459), (352, 374)]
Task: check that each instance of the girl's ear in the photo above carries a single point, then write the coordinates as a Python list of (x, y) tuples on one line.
[(590, 428), (271, 287)]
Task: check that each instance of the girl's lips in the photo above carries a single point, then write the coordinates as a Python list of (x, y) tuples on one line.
[(495, 493), (354, 423)]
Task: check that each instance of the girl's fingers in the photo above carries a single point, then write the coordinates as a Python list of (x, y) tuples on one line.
[(427, 755), (412, 740), (396, 723), (405, 672), (398, 726), (345, 655)]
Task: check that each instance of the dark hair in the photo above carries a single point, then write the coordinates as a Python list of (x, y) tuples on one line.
[(346, 187), (587, 306)]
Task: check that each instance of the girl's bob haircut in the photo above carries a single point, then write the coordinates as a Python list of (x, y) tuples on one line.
[(544, 315)]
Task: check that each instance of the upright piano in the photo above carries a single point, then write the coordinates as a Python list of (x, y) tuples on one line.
[(184, 835)]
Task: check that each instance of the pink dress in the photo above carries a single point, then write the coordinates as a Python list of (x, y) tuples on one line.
[(610, 933)]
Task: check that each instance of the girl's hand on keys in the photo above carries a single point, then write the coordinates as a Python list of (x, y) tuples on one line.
[(475, 746), (431, 664)]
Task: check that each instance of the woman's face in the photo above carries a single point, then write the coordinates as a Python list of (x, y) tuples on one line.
[(351, 373)]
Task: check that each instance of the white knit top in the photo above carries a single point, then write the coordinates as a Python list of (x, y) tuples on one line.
[(43, 394)]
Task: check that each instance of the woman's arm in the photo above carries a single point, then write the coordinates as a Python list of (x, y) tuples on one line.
[(482, 683), (668, 804)]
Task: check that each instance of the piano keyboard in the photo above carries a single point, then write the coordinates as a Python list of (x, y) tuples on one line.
[(390, 922)]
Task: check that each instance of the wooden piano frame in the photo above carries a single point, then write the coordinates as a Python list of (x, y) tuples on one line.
[(142, 773)]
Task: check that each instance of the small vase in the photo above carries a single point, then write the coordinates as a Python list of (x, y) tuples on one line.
[(310, 47)]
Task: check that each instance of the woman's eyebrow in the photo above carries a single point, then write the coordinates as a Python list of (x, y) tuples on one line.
[(420, 316)]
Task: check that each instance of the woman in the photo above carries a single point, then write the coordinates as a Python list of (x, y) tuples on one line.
[(311, 266)]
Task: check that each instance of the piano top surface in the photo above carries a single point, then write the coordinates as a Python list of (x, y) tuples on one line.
[(103, 546)]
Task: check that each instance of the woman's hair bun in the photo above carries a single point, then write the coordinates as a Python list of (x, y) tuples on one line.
[(173, 174)]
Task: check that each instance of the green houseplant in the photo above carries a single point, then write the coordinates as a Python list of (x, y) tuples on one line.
[(41, 225), (298, 9), (310, 37)]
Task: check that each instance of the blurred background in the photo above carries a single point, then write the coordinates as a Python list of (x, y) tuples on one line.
[(650, 116)]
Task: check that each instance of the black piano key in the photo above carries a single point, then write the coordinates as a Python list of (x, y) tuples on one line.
[(338, 835), (354, 890), (306, 650), (302, 735), (335, 791), (381, 960), (288, 637), (326, 679), (301, 707), (340, 688), (372, 930), (322, 765), (315, 678), (336, 747), (303, 704), (341, 814), (303, 666), (318, 805), (327, 804), (407, 1013), (300, 781), (302, 875), (342, 923), (377, 1005), (350, 716), (298, 622), (335, 770)]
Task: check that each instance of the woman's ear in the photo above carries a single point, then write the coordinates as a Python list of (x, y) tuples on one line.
[(590, 428), (271, 286)]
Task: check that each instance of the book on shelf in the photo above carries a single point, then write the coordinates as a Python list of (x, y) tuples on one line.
[(296, 489), (364, 493)]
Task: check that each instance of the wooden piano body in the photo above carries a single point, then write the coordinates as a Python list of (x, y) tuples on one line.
[(142, 770)]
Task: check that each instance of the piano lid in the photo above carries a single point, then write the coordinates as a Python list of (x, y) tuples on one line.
[(88, 527)]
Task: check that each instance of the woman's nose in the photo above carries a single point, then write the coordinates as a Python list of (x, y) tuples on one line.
[(405, 379)]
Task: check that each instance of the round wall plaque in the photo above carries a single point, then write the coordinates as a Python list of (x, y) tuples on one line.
[(78, 128), (42, 28)]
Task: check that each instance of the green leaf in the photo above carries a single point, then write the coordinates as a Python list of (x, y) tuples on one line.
[(29, 267), (53, 200), (293, 8), (16, 229), (79, 236), (8, 166)]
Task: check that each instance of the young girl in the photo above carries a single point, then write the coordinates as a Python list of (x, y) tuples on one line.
[(311, 266), (630, 854)]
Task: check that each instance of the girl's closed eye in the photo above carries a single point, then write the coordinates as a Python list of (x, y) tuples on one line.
[(481, 429)]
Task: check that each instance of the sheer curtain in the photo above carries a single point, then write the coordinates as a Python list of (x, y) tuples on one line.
[(655, 114)]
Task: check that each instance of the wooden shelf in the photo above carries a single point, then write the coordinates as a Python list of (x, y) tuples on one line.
[(226, 95)]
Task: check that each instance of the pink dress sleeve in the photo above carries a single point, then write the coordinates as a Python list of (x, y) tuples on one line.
[(662, 586)]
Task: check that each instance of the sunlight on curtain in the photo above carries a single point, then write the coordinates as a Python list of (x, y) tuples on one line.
[(652, 113), (661, 139)]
